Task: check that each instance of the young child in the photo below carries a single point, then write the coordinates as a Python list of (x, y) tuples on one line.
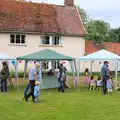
[(109, 85), (92, 83), (86, 78), (99, 83), (37, 91)]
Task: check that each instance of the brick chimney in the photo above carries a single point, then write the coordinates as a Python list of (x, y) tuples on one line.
[(69, 2), (20, 0)]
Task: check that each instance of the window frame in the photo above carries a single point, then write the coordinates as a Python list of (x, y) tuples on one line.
[(42, 38), (15, 40), (55, 40), (51, 40)]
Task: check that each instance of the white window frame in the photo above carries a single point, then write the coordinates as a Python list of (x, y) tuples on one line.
[(51, 38), (42, 39), (49, 65), (56, 65), (47, 62), (15, 39), (60, 40)]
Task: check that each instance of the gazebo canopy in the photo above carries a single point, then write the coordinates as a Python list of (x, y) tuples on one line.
[(6, 57), (46, 54), (101, 55)]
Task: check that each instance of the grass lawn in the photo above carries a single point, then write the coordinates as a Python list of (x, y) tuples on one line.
[(74, 104)]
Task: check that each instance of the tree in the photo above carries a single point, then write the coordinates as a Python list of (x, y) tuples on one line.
[(97, 30), (84, 16), (114, 35)]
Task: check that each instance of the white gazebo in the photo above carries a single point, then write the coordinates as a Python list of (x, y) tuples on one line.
[(100, 55), (5, 57)]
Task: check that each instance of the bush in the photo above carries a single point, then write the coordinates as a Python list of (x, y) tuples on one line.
[(20, 74)]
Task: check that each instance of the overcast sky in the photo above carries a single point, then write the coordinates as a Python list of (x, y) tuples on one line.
[(108, 10)]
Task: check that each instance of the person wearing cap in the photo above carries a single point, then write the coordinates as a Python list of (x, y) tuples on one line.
[(32, 79), (105, 75)]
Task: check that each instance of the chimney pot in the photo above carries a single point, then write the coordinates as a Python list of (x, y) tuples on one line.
[(69, 2)]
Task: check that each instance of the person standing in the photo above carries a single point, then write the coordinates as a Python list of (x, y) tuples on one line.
[(86, 78), (32, 79), (105, 75), (61, 78), (4, 77), (37, 92)]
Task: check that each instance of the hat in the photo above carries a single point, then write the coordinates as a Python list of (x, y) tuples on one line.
[(37, 83), (106, 62)]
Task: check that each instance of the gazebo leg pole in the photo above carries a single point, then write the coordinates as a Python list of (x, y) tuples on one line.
[(75, 73), (71, 63), (116, 73), (90, 68), (78, 73), (25, 69), (16, 72), (40, 73)]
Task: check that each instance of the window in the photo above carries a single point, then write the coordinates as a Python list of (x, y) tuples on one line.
[(46, 65), (56, 40), (45, 40), (17, 39), (56, 65), (50, 40)]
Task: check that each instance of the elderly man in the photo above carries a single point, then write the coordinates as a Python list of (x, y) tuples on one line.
[(105, 75), (32, 79)]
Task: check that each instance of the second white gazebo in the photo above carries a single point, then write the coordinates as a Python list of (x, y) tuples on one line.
[(100, 55)]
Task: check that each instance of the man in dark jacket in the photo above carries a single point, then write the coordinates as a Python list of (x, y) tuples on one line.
[(105, 75)]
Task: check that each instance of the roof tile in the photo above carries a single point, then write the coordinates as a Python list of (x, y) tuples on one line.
[(36, 17)]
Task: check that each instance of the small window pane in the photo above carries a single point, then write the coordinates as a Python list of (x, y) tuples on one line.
[(17, 38), (56, 40), (56, 64), (12, 38), (22, 39), (46, 40), (45, 65)]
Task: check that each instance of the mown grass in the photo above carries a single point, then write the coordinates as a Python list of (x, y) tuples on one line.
[(74, 104)]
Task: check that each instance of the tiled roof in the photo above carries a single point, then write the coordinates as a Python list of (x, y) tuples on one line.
[(39, 17), (91, 47)]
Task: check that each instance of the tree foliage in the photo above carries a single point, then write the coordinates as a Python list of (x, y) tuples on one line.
[(84, 16), (114, 35), (98, 30)]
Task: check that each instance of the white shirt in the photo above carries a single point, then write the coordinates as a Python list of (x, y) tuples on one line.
[(99, 83), (32, 73)]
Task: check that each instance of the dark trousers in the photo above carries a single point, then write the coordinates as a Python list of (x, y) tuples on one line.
[(31, 93), (104, 85), (61, 88), (3, 85)]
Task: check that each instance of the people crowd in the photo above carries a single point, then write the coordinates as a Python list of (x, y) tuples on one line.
[(103, 82)]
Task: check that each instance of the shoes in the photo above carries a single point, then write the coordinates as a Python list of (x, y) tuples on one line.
[(26, 99)]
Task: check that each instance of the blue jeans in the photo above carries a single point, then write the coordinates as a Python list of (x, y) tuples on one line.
[(36, 99), (3, 85), (61, 85)]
